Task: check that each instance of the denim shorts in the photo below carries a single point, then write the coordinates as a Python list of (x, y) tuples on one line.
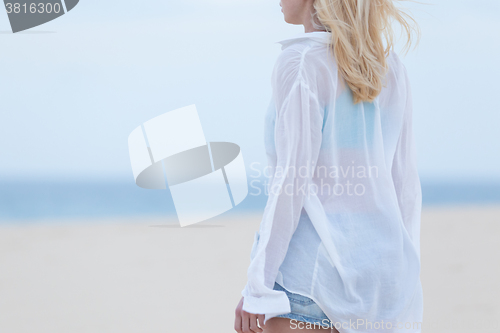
[(304, 309)]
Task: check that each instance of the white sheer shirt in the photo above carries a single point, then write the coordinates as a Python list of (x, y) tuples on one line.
[(342, 226)]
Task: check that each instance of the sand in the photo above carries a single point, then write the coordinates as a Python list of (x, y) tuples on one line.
[(149, 275)]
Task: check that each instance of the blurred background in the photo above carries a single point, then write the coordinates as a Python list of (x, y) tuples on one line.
[(74, 88)]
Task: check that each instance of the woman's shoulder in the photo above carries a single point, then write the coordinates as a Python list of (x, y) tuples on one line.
[(395, 89), (304, 59), (291, 57), (395, 66), (289, 65)]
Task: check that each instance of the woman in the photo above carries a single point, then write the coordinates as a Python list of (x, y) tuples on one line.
[(338, 247)]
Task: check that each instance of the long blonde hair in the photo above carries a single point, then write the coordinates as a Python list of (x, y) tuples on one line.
[(359, 29)]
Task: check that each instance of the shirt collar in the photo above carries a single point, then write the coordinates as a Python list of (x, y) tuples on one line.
[(320, 36)]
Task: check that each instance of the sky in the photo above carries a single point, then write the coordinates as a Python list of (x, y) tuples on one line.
[(73, 89)]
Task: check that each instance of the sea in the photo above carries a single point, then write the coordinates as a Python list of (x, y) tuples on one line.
[(39, 201)]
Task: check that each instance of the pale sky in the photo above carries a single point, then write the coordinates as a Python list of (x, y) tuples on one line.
[(73, 89)]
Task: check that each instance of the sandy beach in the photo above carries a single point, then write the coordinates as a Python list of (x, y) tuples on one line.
[(150, 275)]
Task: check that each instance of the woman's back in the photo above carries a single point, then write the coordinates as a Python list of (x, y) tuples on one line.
[(347, 173)]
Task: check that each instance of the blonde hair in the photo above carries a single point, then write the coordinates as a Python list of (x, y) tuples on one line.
[(359, 29)]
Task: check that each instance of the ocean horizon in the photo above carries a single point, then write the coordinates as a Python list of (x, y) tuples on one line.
[(43, 200)]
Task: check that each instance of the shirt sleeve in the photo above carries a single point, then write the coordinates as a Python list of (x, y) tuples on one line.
[(298, 134), (405, 174)]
